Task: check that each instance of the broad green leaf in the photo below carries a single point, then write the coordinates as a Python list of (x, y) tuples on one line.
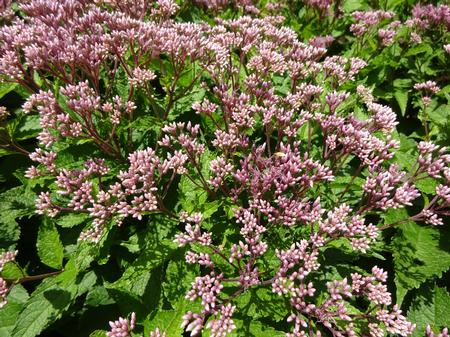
[(16, 298), (419, 49), (6, 88), (47, 303), (71, 219), (122, 84), (427, 185), (418, 255), (431, 306), (405, 160), (184, 104), (256, 329), (12, 271), (15, 203), (251, 328), (135, 277), (27, 128), (353, 5), (440, 115), (178, 278), (49, 246), (192, 197), (98, 296), (139, 287), (168, 321), (254, 303)]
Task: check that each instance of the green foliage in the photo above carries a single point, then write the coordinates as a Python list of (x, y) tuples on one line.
[(50, 300), (431, 306), (167, 320), (17, 298), (15, 204), (59, 282), (419, 255), (49, 246)]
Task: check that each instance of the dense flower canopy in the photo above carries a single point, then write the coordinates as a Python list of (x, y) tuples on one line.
[(224, 168)]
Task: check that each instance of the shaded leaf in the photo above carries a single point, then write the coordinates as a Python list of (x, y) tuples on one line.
[(419, 255), (430, 306), (49, 246)]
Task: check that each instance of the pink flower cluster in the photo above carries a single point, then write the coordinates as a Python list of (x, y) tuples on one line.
[(122, 327), (277, 129), (426, 16), (368, 20)]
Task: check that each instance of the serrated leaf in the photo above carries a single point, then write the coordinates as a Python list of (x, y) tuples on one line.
[(47, 303), (418, 49), (427, 185), (253, 303), (441, 115), (72, 219), (122, 84), (178, 278), (192, 197), (16, 298), (49, 246), (6, 88), (98, 296), (405, 160), (257, 329), (184, 104), (418, 255), (431, 306), (98, 333), (140, 285), (15, 203), (27, 128), (168, 321), (11, 271)]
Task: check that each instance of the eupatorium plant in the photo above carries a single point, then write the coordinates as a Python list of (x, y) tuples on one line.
[(248, 168)]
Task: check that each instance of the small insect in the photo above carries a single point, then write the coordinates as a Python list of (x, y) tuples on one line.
[(279, 154)]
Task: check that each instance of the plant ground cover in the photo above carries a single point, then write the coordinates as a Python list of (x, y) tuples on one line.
[(224, 168)]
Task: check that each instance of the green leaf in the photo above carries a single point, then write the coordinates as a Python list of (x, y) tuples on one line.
[(134, 278), (257, 329), (27, 128), (441, 115), (253, 303), (168, 321), (184, 104), (418, 49), (140, 285), (431, 306), (11, 271), (49, 246), (6, 88), (353, 5), (48, 302), (427, 185), (402, 100), (418, 255), (122, 84), (72, 219), (15, 203), (192, 197), (98, 296), (98, 333), (405, 160), (16, 298), (178, 278)]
